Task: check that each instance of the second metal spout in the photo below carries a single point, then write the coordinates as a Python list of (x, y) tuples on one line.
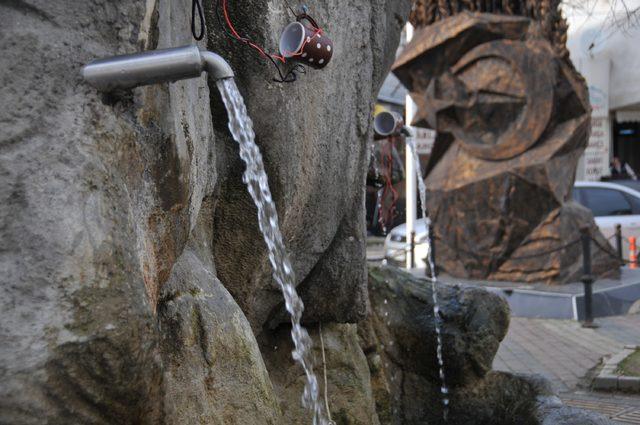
[(154, 66), (389, 123)]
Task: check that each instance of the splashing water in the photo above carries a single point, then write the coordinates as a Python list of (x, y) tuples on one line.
[(379, 208), (422, 189), (374, 161), (255, 178)]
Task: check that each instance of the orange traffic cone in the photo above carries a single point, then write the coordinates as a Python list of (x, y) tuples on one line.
[(633, 258)]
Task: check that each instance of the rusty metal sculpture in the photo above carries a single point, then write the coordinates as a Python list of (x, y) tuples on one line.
[(513, 118)]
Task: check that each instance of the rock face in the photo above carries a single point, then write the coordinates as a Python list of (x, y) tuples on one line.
[(88, 185), (512, 117), (133, 275), (399, 341), (475, 322), (214, 372), (315, 150), (350, 397)]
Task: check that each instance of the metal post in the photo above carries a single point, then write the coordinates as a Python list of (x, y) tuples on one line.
[(412, 251), (619, 241), (432, 242), (587, 279), (411, 206)]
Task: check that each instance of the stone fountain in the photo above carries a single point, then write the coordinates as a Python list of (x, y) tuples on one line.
[(136, 286)]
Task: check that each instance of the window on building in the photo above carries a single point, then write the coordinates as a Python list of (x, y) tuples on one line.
[(626, 143)]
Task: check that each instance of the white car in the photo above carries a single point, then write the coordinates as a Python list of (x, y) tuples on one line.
[(610, 203), (395, 245)]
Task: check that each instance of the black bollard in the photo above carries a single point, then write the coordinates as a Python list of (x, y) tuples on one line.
[(432, 241), (619, 241), (587, 279), (412, 250)]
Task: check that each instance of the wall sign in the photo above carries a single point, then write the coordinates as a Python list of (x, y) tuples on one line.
[(596, 155), (424, 140)]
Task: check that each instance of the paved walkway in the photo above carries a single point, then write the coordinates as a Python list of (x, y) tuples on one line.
[(560, 350), (564, 352), (622, 409)]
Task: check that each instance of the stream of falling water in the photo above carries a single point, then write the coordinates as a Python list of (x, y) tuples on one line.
[(437, 319), (380, 191), (255, 178)]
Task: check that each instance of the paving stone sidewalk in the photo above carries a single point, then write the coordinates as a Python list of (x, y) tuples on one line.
[(622, 409), (564, 352)]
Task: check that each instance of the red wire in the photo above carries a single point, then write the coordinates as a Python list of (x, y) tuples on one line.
[(387, 214), (236, 35), (229, 24), (394, 192), (318, 31)]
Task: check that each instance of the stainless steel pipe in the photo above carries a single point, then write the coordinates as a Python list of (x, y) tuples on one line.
[(388, 123), (154, 66)]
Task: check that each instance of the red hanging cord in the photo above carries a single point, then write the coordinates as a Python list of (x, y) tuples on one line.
[(261, 51), (387, 215), (394, 192), (242, 39)]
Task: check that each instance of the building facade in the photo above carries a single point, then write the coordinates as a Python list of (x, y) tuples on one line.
[(605, 48)]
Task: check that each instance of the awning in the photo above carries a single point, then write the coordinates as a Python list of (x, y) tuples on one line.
[(628, 116)]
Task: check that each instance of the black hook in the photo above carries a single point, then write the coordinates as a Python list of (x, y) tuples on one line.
[(197, 6)]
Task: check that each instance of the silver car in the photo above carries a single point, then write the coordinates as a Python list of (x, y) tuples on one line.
[(611, 203), (396, 246)]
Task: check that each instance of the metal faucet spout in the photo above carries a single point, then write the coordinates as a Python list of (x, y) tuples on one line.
[(154, 66), (216, 66)]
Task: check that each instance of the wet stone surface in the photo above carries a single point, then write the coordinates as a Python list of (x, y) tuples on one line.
[(399, 341)]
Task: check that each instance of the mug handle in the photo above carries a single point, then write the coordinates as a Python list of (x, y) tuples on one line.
[(312, 21)]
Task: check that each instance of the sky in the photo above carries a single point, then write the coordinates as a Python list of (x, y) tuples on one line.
[(607, 14), (594, 23)]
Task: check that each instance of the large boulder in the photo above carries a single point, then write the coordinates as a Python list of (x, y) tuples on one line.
[(312, 134), (342, 363), (214, 371), (402, 320), (97, 197), (399, 340), (129, 251)]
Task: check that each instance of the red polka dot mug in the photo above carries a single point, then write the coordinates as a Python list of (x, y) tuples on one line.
[(307, 44)]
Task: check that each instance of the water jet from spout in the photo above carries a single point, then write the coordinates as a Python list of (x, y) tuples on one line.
[(255, 178)]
